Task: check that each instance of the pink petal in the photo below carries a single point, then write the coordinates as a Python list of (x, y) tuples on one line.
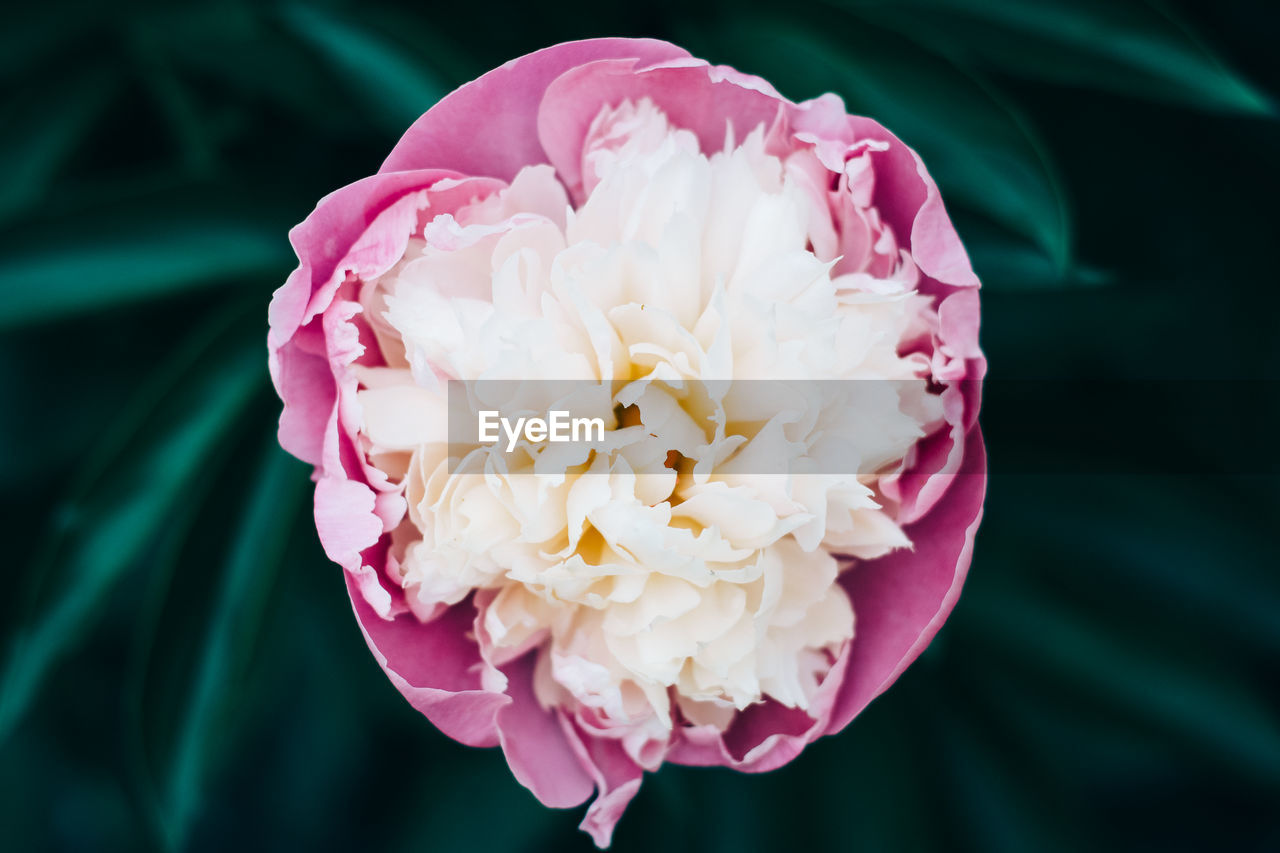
[(445, 684), (959, 315), (765, 736), (903, 598), (694, 95), (361, 228), (490, 125), (539, 753), (909, 201), (345, 520), (617, 778), (325, 238), (305, 382)]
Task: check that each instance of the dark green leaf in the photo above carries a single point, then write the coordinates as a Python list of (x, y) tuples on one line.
[(1127, 46), (1004, 801), (150, 257), (124, 498), (1149, 681), (1236, 600), (1004, 262), (175, 99), (48, 136), (395, 85), (223, 654), (35, 32)]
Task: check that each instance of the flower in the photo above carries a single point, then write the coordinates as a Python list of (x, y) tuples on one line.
[(703, 586)]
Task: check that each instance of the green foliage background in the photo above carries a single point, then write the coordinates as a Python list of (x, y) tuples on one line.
[(180, 668)]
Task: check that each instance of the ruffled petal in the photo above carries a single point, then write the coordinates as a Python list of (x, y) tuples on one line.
[(903, 598), (490, 125)]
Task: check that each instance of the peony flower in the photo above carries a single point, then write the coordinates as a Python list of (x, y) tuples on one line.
[(746, 558)]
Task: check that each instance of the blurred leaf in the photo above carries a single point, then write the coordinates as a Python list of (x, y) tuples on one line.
[(455, 61), (878, 805), (172, 547), (151, 49), (1147, 680), (397, 86), (124, 498), (35, 31), (1131, 47), (1003, 262), (112, 264), (1067, 738), (526, 824), (1004, 801), (977, 148), (48, 136), (256, 66), (1236, 601), (222, 655)]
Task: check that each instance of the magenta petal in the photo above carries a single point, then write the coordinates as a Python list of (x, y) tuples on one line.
[(339, 235), (444, 685), (903, 598), (305, 382), (959, 315), (325, 238), (603, 814), (764, 737), (540, 755), (909, 201), (490, 125), (694, 96), (753, 726), (345, 520), (617, 779)]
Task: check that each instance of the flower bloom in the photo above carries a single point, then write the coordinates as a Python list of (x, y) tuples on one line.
[(617, 212)]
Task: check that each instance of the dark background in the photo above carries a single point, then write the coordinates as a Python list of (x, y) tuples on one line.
[(180, 667)]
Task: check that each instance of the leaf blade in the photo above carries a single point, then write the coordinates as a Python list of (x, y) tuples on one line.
[(154, 257), (256, 553), (92, 555), (1131, 48), (396, 84)]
